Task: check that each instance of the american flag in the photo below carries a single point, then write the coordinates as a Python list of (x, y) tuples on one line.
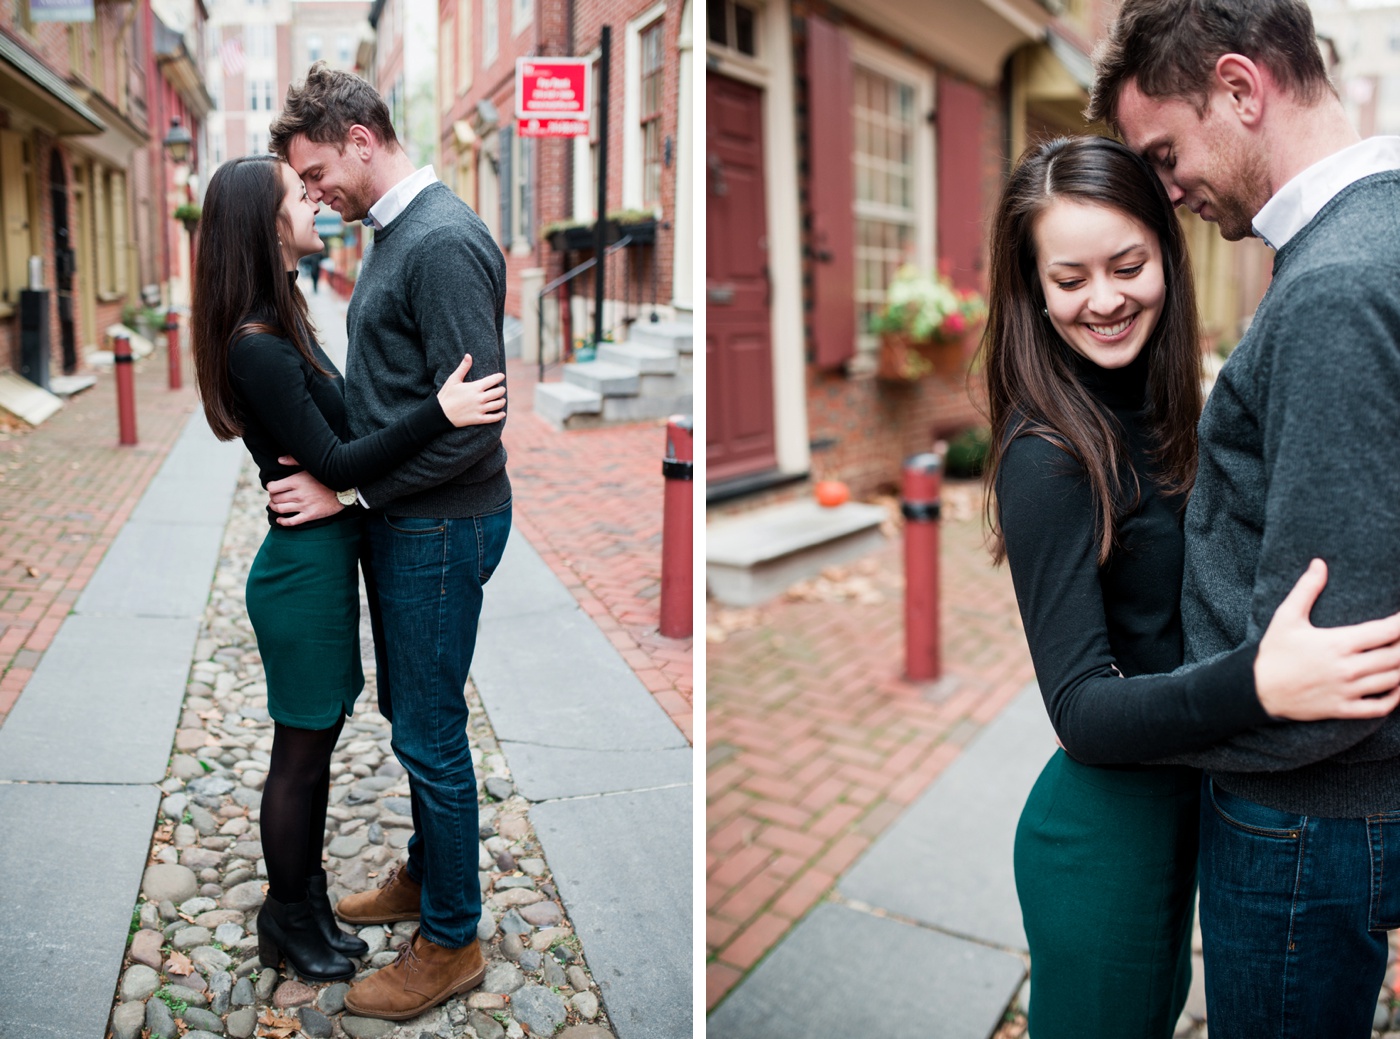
[(232, 55)]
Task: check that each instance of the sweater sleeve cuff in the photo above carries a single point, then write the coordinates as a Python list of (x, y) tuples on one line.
[(428, 419), (1233, 675)]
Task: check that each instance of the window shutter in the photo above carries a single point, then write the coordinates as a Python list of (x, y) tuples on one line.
[(960, 233), (14, 204), (830, 123), (527, 191), (506, 184)]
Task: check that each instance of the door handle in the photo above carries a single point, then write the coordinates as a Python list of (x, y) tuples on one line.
[(721, 295), (717, 182)]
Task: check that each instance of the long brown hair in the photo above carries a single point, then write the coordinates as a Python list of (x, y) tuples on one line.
[(240, 281), (1031, 384)]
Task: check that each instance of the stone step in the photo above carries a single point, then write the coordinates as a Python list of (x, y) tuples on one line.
[(610, 380), (756, 556), (620, 410), (557, 402), (678, 335), (649, 360)]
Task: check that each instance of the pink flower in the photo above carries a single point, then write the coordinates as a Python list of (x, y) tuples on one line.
[(955, 323)]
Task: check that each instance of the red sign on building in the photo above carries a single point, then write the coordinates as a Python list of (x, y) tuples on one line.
[(552, 97)]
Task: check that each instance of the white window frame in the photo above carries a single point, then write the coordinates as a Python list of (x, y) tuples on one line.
[(466, 60), (490, 32), (522, 13), (886, 62), (585, 197), (632, 105)]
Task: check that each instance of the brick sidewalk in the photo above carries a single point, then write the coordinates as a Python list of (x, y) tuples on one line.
[(590, 503), (816, 745), (66, 488)]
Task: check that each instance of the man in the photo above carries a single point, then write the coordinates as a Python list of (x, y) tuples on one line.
[(1230, 101), (433, 286)]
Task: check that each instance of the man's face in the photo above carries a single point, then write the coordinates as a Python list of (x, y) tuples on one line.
[(337, 177), (1206, 162)]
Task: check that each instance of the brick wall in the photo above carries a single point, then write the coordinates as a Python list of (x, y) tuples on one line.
[(861, 428)]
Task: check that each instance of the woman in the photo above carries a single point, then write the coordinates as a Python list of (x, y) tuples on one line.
[(263, 376), (1093, 375)]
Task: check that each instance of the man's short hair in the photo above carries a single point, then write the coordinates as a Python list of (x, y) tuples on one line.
[(324, 107), (1170, 47)]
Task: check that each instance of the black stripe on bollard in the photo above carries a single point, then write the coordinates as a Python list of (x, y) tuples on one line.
[(119, 359), (921, 511), (674, 470)]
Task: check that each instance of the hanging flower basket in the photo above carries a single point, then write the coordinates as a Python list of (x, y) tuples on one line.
[(924, 315), (901, 359)]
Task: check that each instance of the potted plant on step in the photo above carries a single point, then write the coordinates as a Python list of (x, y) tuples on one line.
[(925, 325)]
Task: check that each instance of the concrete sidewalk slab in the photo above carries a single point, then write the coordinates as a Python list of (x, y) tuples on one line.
[(561, 698), (103, 705), (623, 865), (842, 972), (70, 869), (947, 862), (574, 721)]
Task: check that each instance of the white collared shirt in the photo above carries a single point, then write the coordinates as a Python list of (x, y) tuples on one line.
[(397, 198), (1302, 198)]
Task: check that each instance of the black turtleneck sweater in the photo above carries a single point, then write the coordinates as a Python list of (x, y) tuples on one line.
[(1082, 619), (289, 408)]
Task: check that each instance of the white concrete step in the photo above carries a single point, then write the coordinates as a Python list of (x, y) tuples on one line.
[(557, 402), (756, 556), (649, 360), (611, 380), (678, 335)]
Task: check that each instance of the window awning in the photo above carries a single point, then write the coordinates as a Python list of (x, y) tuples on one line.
[(42, 93), (975, 37)]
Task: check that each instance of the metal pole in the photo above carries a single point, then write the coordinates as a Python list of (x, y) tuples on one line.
[(600, 230), (677, 523), (172, 348), (922, 504), (126, 391)]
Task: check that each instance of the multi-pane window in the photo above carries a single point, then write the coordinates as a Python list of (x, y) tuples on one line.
[(886, 122), (17, 197), (342, 49), (313, 49), (651, 70), (464, 46), (269, 88), (521, 14), (733, 25)]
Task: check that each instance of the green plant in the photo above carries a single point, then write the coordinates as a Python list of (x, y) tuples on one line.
[(501, 1016), (926, 307), (176, 1005), (967, 453), (135, 923), (631, 216), (188, 211), (555, 226)]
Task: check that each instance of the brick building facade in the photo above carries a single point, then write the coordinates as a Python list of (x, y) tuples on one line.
[(85, 182)]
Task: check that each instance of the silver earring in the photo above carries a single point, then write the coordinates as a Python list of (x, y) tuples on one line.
[(1044, 311)]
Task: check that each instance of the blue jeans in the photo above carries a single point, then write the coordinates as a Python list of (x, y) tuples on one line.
[(1294, 914), (425, 579)]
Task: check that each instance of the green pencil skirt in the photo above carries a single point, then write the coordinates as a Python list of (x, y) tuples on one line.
[(1106, 876), (304, 601)]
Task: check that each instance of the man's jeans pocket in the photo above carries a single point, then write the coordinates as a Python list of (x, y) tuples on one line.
[(1255, 818), (1382, 832), (415, 524)]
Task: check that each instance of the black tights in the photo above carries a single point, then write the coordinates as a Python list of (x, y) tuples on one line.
[(294, 799)]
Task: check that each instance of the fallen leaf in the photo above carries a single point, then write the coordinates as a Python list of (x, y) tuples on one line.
[(32, 571), (180, 964)]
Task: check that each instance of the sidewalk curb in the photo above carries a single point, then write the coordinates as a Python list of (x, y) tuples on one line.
[(610, 775), (84, 746)]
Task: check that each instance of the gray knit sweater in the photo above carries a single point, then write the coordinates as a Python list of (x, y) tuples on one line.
[(1300, 457), (432, 288)]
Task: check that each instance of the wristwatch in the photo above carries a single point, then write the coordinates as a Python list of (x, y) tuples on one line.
[(350, 497)]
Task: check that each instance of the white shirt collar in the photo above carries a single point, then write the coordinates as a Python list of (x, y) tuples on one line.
[(1302, 198), (397, 198)]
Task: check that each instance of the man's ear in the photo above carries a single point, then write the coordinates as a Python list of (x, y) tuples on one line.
[(363, 141), (1242, 83)]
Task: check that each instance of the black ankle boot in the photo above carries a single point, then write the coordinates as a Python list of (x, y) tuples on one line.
[(292, 931), (340, 941)]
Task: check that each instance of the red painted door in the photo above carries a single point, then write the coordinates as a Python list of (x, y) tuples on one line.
[(739, 349)]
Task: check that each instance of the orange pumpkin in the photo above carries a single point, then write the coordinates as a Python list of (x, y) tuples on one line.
[(831, 493)]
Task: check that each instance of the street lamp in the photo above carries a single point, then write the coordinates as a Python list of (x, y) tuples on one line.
[(177, 142), (177, 145)]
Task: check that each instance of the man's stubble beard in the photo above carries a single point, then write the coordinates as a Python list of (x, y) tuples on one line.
[(355, 201), (1247, 176)]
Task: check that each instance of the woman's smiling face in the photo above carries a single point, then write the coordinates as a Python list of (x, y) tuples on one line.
[(1101, 272)]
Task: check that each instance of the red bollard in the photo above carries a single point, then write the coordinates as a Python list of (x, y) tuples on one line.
[(172, 347), (126, 390), (677, 526), (923, 480)]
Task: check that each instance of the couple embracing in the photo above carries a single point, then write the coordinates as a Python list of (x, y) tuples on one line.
[(1169, 573), (398, 465)]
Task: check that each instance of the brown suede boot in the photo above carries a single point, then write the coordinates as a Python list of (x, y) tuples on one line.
[(423, 976), (396, 898)]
